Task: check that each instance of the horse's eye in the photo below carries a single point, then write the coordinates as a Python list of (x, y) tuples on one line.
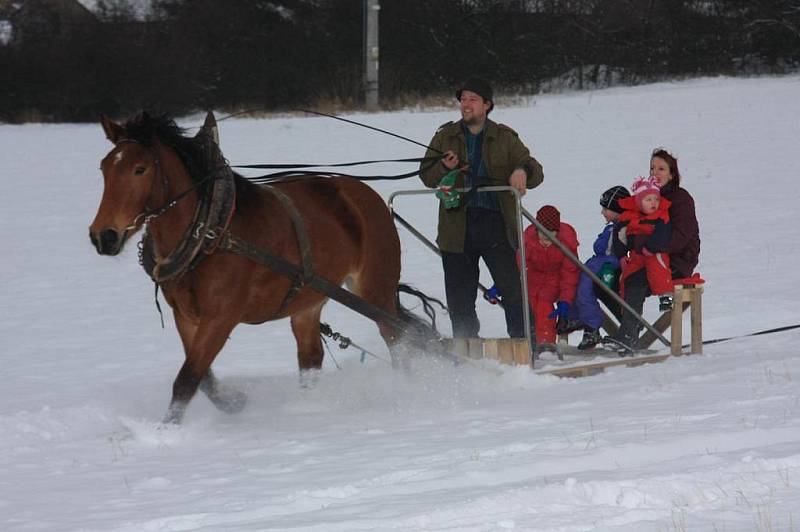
[(139, 170)]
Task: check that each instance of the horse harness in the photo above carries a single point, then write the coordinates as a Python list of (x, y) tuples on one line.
[(210, 231)]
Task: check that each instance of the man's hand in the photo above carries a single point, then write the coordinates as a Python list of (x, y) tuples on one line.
[(518, 179), (450, 159)]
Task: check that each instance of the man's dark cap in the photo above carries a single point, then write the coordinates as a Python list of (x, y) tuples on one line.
[(480, 87)]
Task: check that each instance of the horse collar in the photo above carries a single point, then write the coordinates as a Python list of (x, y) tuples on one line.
[(211, 220)]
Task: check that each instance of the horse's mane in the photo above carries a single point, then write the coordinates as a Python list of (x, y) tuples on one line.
[(144, 128)]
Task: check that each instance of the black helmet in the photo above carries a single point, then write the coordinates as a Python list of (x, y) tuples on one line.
[(610, 198)]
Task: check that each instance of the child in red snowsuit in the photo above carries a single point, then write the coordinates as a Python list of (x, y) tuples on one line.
[(552, 277), (645, 234)]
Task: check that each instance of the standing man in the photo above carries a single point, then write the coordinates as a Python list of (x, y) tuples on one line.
[(482, 224)]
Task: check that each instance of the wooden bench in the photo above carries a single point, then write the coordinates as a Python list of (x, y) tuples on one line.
[(688, 294)]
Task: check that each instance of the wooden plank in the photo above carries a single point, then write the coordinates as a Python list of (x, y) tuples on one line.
[(573, 351), (697, 320), (522, 351), (475, 348), (511, 351), (506, 351), (676, 325), (458, 346), (585, 370), (491, 348)]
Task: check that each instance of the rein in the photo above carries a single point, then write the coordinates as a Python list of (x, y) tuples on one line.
[(336, 165), (293, 169), (298, 174)]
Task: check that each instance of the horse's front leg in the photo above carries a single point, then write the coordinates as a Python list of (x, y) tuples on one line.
[(225, 399), (202, 343)]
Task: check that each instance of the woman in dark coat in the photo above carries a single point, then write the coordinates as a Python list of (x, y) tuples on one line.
[(684, 244)]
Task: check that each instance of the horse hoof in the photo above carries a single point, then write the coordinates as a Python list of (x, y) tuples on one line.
[(231, 402), (308, 378), (172, 418)]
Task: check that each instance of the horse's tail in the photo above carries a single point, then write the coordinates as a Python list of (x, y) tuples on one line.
[(418, 332), (418, 328)]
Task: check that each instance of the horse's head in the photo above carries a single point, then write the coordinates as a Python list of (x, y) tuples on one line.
[(136, 187), (130, 171)]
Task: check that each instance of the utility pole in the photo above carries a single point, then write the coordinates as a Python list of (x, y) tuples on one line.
[(371, 53)]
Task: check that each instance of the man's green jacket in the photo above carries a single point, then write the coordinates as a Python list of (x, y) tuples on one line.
[(502, 153)]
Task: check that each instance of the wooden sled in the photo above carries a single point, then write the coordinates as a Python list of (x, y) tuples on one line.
[(514, 351), (688, 295)]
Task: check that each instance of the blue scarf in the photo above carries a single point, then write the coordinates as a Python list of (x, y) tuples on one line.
[(477, 171)]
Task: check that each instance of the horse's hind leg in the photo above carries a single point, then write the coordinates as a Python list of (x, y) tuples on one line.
[(202, 343), (305, 326), (377, 284)]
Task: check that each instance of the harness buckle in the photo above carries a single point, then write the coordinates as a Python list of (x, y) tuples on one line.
[(197, 229)]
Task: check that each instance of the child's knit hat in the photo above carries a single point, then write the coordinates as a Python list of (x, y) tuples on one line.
[(643, 187), (610, 198), (549, 217)]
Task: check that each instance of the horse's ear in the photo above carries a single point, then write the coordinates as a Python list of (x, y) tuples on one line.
[(112, 129), (210, 127)]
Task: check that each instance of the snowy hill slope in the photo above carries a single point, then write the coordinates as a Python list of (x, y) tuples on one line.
[(700, 443)]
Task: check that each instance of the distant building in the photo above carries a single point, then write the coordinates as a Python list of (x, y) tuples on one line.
[(31, 20), (6, 30)]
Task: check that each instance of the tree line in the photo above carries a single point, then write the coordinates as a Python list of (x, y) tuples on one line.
[(274, 55)]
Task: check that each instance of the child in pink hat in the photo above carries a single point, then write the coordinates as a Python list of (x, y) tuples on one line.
[(646, 235)]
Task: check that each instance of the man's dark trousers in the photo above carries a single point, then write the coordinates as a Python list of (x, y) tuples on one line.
[(485, 238)]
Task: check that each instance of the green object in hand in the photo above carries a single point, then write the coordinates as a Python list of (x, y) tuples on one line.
[(609, 275), (447, 191)]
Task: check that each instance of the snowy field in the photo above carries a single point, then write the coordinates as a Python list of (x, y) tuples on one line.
[(708, 442)]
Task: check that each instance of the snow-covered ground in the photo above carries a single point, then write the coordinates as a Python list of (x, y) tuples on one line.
[(708, 442)]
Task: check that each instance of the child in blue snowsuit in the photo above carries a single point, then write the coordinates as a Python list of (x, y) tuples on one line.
[(586, 310)]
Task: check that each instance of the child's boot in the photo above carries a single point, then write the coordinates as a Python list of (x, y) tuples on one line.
[(591, 337)]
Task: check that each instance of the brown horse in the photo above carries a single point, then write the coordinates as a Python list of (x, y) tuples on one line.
[(156, 176)]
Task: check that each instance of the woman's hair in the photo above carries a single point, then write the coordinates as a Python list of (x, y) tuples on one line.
[(672, 162)]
